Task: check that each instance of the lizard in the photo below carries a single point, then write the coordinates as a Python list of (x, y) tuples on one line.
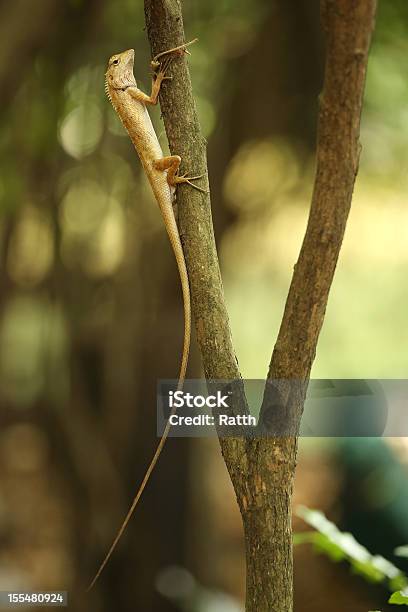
[(130, 103)]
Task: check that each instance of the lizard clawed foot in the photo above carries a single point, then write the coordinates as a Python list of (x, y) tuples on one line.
[(160, 69), (164, 77), (160, 66), (187, 179)]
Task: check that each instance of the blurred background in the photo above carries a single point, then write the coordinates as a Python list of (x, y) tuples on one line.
[(91, 312)]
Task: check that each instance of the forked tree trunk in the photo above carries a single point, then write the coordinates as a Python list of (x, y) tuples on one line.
[(262, 470)]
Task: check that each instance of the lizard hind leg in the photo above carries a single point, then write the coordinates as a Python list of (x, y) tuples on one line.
[(172, 165), (187, 179)]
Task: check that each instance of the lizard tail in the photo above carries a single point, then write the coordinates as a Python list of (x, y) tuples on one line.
[(181, 264)]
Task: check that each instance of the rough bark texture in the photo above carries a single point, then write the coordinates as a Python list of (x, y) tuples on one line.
[(262, 469)]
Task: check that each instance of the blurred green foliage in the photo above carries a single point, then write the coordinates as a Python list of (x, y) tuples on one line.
[(341, 546)]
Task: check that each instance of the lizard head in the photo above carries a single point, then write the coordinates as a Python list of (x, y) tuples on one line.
[(119, 73)]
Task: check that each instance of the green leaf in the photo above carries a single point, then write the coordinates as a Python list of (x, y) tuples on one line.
[(342, 546), (400, 598), (326, 546), (304, 537), (401, 551), (398, 583)]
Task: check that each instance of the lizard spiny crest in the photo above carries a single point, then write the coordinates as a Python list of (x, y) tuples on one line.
[(107, 91)]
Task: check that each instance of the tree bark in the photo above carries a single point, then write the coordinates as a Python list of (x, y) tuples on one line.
[(262, 469)]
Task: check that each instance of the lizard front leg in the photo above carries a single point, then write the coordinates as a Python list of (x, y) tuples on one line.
[(172, 163), (139, 95), (158, 77), (159, 68)]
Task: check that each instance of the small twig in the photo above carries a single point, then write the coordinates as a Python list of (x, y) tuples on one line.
[(182, 47)]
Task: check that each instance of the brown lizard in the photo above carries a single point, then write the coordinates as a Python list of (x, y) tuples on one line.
[(162, 172)]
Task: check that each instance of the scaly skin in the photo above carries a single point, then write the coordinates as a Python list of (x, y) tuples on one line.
[(130, 104)]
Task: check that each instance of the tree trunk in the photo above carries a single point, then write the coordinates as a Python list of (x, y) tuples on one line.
[(268, 530)]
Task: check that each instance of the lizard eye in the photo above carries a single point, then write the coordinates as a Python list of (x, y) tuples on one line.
[(115, 62)]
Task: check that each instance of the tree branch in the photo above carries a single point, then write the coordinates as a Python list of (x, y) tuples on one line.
[(348, 26), (165, 30)]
